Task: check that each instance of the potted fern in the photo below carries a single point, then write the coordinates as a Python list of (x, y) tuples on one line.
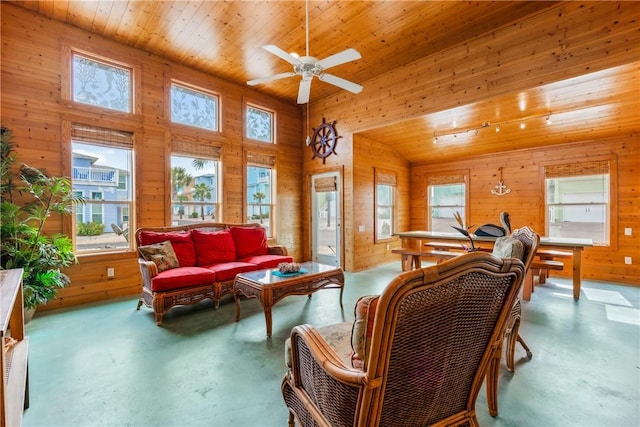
[(29, 198)]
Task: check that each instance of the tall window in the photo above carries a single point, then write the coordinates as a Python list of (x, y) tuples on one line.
[(447, 195), (259, 124), (260, 191), (101, 83), (385, 200), (194, 107), (100, 159), (195, 189), (578, 201)]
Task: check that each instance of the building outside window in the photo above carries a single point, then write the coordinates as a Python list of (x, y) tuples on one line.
[(447, 195), (101, 160), (193, 106), (260, 202), (259, 124), (578, 201), (101, 83), (195, 190)]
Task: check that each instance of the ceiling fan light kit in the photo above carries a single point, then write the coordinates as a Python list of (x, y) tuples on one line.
[(309, 67)]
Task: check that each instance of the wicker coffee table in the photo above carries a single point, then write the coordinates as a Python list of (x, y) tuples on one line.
[(270, 288)]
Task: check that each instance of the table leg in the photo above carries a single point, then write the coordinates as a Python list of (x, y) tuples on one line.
[(267, 319), (237, 301), (577, 273), (266, 299)]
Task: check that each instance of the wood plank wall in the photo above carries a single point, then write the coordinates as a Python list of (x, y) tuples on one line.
[(523, 174), (33, 107), (507, 60)]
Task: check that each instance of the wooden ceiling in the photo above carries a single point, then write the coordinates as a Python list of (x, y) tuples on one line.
[(590, 107), (225, 39)]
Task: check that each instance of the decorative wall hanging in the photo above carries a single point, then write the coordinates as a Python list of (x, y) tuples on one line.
[(324, 140), (501, 189)]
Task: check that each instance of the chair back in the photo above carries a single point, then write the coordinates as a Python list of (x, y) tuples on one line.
[(530, 240), (434, 332)]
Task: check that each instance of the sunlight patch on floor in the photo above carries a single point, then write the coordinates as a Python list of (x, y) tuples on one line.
[(623, 314), (606, 297)]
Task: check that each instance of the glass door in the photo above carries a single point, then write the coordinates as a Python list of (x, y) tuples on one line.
[(326, 229)]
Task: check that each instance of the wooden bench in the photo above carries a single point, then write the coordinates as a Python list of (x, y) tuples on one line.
[(412, 258), (548, 262)]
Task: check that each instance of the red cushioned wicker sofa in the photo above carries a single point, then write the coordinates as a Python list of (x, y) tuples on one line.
[(186, 264)]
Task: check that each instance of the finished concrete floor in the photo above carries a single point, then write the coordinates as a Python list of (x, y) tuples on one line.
[(109, 365)]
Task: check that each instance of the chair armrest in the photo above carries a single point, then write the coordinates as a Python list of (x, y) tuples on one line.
[(148, 270), (320, 375), (278, 250)]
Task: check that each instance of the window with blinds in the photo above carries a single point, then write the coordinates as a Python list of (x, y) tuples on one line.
[(102, 172), (447, 194), (577, 200), (385, 204), (260, 190), (196, 193)]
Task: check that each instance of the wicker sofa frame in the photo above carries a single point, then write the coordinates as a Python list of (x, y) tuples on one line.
[(163, 301)]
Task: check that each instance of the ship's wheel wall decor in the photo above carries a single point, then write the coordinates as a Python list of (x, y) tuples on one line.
[(324, 140)]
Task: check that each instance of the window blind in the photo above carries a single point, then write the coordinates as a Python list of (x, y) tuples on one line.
[(102, 136), (323, 185), (262, 160), (446, 179), (195, 149), (597, 167)]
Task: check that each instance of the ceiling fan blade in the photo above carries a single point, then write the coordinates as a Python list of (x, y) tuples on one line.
[(270, 78), (282, 54), (339, 58), (304, 91), (341, 83)]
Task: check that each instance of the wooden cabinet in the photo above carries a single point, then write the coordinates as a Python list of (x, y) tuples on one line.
[(14, 389)]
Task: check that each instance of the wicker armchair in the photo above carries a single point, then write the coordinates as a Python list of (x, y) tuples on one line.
[(434, 333), (530, 241)]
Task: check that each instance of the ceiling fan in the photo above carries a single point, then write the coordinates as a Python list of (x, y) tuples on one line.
[(309, 67)]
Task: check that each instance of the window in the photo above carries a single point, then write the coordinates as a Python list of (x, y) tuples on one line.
[(195, 189), (385, 183), (194, 107), (260, 188), (101, 83), (259, 124), (101, 160), (578, 201), (79, 207), (447, 195)]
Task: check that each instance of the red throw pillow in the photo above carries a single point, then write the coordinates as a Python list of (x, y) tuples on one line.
[(180, 241), (250, 241), (213, 247)]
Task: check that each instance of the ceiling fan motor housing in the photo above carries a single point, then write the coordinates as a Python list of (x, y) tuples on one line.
[(308, 68)]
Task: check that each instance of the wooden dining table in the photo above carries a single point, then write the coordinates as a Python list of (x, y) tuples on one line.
[(416, 240)]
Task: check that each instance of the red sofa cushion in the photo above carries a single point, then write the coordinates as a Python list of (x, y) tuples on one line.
[(180, 241), (250, 241), (182, 277), (228, 270), (267, 261), (213, 247)]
